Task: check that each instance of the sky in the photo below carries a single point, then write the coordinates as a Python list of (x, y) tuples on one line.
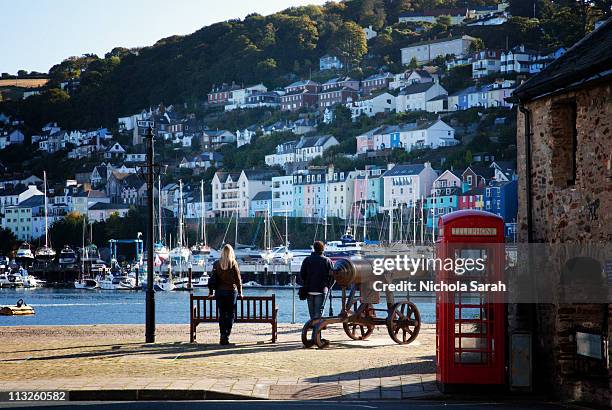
[(36, 34)]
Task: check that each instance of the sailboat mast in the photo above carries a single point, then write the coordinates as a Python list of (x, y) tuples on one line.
[(413, 217), (365, 206), (422, 222), (390, 225), (180, 215), (236, 227), (401, 223), (203, 211), (355, 211), (46, 222), (325, 213), (286, 229), (159, 208), (433, 218)]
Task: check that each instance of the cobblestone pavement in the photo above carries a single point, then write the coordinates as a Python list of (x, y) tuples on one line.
[(114, 357)]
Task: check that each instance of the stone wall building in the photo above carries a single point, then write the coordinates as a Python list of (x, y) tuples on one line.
[(564, 142)]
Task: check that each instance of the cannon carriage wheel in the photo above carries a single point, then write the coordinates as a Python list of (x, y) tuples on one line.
[(357, 330), (403, 322)]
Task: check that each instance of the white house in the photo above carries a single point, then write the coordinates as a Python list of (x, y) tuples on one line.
[(485, 63), (285, 154), (115, 151), (304, 150), (415, 96), (409, 77), (371, 106), (369, 33), (308, 148), (232, 193), (437, 104), (517, 60), (340, 192), (243, 137), (407, 184), (431, 135), (426, 51), (328, 62), (282, 195), (238, 98), (135, 158), (9, 138)]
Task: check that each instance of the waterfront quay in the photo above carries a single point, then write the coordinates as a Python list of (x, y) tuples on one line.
[(113, 358)]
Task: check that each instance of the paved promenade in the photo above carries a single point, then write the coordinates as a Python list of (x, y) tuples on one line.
[(114, 359)]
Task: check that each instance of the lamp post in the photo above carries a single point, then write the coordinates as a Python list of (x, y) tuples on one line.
[(150, 298)]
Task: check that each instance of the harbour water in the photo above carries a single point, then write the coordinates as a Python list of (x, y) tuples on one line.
[(64, 306)]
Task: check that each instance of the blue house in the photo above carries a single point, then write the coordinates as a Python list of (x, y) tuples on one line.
[(261, 203), (501, 198)]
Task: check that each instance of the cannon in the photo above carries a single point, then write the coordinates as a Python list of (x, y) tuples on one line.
[(358, 314)]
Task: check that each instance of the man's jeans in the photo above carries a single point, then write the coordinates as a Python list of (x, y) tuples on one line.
[(315, 304)]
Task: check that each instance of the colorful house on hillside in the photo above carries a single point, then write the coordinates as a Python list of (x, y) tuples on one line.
[(369, 191), (444, 197), (309, 194), (501, 198), (472, 199), (261, 204), (405, 184)]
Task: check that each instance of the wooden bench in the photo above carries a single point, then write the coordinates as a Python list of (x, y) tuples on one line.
[(249, 309)]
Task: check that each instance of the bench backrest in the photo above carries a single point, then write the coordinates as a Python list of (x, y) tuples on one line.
[(254, 309)]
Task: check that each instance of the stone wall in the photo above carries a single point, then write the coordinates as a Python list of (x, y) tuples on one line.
[(571, 202)]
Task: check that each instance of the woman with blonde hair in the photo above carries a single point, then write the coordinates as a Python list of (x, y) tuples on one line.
[(227, 286)]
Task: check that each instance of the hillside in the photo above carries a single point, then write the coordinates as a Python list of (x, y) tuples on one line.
[(273, 49)]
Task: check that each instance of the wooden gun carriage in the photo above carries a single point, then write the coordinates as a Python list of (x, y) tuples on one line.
[(358, 314)]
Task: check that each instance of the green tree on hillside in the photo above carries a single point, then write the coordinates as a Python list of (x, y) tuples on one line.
[(350, 44)]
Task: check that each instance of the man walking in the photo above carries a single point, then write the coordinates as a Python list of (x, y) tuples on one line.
[(316, 277)]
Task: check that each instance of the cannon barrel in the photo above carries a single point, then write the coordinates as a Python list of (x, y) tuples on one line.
[(347, 271)]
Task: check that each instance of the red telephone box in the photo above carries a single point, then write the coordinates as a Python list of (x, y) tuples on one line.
[(470, 325)]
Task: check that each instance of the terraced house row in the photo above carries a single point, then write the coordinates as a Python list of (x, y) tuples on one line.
[(319, 192)]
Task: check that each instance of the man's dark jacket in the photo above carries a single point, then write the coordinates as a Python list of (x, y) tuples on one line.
[(316, 272)]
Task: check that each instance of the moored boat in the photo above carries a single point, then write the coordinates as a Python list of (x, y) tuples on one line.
[(24, 255)]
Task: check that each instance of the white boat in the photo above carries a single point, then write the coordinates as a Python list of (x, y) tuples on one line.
[(89, 284), (202, 281), (251, 284), (111, 282), (4, 280), (45, 253), (164, 285), (16, 280), (24, 255), (346, 246), (67, 256)]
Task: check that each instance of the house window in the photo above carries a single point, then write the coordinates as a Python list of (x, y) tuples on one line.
[(564, 140)]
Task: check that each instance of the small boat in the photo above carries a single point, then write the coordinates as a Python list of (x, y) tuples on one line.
[(251, 284), (202, 281), (44, 254), (164, 285), (24, 255), (28, 280), (67, 256), (89, 284), (346, 246), (111, 282), (19, 309)]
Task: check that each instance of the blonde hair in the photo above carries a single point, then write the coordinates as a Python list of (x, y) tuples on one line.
[(228, 258)]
